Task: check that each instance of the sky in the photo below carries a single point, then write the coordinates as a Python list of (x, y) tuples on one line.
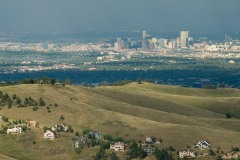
[(117, 15)]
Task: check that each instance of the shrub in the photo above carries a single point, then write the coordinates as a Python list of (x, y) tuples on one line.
[(228, 115), (236, 149), (86, 131), (35, 108), (78, 150), (211, 152), (62, 118), (138, 80)]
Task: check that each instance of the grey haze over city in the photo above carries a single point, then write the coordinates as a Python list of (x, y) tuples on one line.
[(116, 15)]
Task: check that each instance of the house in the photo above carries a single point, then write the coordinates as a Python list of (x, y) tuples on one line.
[(15, 130), (94, 135), (61, 127), (202, 144), (32, 123), (77, 142), (231, 155), (49, 135), (151, 139), (59, 84), (99, 58), (186, 154), (118, 146), (148, 140), (149, 150), (41, 82)]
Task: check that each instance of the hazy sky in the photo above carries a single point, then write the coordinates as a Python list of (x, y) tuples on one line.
[(113, 15)]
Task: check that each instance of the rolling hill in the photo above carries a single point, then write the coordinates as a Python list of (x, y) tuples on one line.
[(180, 116)]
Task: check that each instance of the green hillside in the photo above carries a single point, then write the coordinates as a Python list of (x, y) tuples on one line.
[(180, 116)]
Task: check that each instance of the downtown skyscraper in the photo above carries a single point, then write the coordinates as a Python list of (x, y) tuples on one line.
[(183, 38), (144, 40)]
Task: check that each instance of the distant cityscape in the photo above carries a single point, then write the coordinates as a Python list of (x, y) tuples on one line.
[(144, 56), (147, 43)]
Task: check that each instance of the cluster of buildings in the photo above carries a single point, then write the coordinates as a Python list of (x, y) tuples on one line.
[(18, 129), (184, 41), (148, 145), (50, 47), (151, 43), (147, 43)]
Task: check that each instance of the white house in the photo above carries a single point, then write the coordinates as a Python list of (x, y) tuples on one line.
[(49, 135), (118, 146), (202, 144), (151, 139), (99, 58), (186, 154), (148, 140), (15, 130)]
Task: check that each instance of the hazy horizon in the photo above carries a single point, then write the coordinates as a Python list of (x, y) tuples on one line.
[(113, 15)]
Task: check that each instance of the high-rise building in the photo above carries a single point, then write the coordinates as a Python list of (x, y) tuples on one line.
[(172, 44), (144, 41), (183, 38), (177, 42), (162, 43), (120, 44)]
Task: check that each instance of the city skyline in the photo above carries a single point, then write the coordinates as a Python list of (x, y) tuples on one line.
[(108, 15)]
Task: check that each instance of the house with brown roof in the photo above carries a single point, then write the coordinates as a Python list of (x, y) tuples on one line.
[(32, 123)]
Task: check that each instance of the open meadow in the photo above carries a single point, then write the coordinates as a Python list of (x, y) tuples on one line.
[(179, 116)]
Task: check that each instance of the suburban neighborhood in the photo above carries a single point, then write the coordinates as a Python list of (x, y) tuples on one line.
[(93, 138)]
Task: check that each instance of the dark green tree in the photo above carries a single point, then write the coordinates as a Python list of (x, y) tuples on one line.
[(14, 96), (10, 102), (211, 152), (163, 155), (41, 102), (53, 81), (138, 80), (113, 156), (77, 134), (86, 131), (228, 115)]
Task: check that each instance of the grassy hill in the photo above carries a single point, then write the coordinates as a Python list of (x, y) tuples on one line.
[(180, 116)]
